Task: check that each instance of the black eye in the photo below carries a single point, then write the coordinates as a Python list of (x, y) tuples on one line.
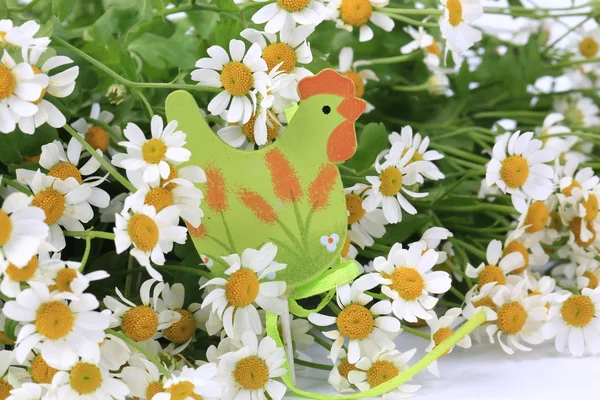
[(326, 109)]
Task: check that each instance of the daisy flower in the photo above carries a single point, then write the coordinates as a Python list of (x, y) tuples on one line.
[(587, 46), (292, 48), (287, 13), (63, 165), (498, 265), (182, 331), (21, 88), (142, 377), (455, 25), (61, 330), (60, 85), (252, 371), (349, 68), (422, 158), (433, 237), (65, 203), (395, 174), (28, 391), (369, 330), (233, 299), (241, 77), (85, 380), (572, 183), (95, 135), (338, 376), (573, 321), (376, 369), (114, 353), (11, 376), (587, 275), (17, 37), (579, 111), (150, 233), (409, 280), (350, 14), (481, 297), (518, 168), (40, 268), (67, 277), (22, 230), (247, 136), (441, 329), (191, 383), (420, 40), (143, 322), (364, 226)]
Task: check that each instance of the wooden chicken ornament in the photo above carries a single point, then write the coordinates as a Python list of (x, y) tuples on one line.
[(288, 193)]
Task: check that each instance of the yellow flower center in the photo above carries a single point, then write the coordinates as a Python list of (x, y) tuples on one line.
[(181, 331), (5, 389), (578, 310), (485, 302), (590, 205), (251, 373), (356, 12), (40, 371), (416, 156), (53, 204), (7, 82), (32, 159), (173, 173), (5, 228), (511, 318), (183, 391), (293, 5), (391, 181), (588, 47), (359, 84), (346, 247), (593, 279), (491, 273), (85, 378), (407, 282), (576, 229), (242, 288), (568, 191), (140, 323), (345, 367), (64, 170), (64, 278), (514, 171), (154, 151), (537, 217), (17, 274), (455, 12), (517, 247), (574, 116), (237, 78), (160, 198), (440, 335), (272, 128), (143, 232), (434, 49), (355, 322), (154, 388), (355, 208), (381, 372), (98, 138), (54, 320), (276, 53), (5, 340)]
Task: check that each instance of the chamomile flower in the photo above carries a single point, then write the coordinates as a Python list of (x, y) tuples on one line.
[(114, 353), (395, 174), (241, 77), (441, 329), (350, 14), (578, 110), (433, 237), (364, 226), (369, 330), (518, 168), (573, 321), (85, 380), (349, 68), (291, 49), (421, 40), (498, 265), (40, 268), (338, 376), (151, 234), (192, 383), (95, 135), (142, 377), (251, 372), (60, 85), (287, 13), (22, 230), (64, 202), (574, 181), (61, 330), (587, 46), (233, 299), (587, 275), (422, 158), (376, 369), (520, 317), (19, 37), (152, 158), (409, 280), (67, 276), (20, 90), (62, 165), (11, 376), (247, 136), (28, 391), (182, 331), (455, 25)]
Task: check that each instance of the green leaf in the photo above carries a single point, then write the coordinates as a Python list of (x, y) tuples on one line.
[(227, 29), (227, 5), (62, 8), (372, 140), (3, 9), (9, 328), (46, 29), (402, 231), (17, 144)]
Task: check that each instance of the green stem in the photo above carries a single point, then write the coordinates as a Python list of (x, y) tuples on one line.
[(410, 11), (189, 270), (320, 341), (478, 207), (86, 253), (393, 60), (457, 293), (111, 170), (141, 349), (458, 182), (16, 185), (573, 28), (24, 8), (90, 234), (415, 88), (416, 332), (472, 249), (410, 21), (450, 304), (575, 62), (460, 153), (313, 365), (508, 114)]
